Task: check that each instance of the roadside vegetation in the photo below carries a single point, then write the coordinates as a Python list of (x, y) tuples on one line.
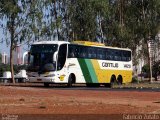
[(140, 85)]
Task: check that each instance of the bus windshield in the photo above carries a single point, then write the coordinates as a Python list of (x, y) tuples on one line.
[(41, 58)]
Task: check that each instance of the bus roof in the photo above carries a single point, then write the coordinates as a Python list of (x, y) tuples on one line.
[(88, 43), (96, 44), (50, 42), (85, 43)]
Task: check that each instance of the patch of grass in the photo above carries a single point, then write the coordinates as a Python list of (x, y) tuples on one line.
[(135, 80), (139, 85)]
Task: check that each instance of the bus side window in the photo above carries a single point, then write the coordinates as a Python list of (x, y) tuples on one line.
[(128, 55), (112, 54), (77, 53), (100, 54), (72, 52), (83, 52), (125, 56), (94, 55), (89, 53), (117, 56), (103, 54), (106, 54), (109, 54)]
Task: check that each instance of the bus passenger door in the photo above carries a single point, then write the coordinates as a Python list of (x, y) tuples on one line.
[(61, 56)]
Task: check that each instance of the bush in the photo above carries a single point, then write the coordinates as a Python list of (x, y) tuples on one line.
[(134, 80), (155, 70), (3, 68), (146, 69)]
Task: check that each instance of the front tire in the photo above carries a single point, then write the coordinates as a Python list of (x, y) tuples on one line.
[(70, 81), (113, 81)]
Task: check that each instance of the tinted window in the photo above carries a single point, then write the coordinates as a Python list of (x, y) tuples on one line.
[(83, 52), (89, 52), (101, 53), (126, 55), (43, 48), (73, 51)]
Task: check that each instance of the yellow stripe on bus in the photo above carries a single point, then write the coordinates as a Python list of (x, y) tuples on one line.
[(104, 76)]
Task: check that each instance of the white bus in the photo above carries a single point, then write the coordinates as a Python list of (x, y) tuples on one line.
[(78, 62)]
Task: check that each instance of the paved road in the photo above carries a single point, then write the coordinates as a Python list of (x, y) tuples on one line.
[(83, 87)]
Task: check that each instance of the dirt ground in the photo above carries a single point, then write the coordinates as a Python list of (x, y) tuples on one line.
[(16, 100)]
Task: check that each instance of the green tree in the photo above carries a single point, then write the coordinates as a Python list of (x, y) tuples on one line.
[(14, 15), (147, 13), (54, 15), (86, 19)]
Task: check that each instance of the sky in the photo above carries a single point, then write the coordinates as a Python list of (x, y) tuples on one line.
[(3, 46)]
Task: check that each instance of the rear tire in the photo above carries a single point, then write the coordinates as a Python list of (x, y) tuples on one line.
[(119, 80)]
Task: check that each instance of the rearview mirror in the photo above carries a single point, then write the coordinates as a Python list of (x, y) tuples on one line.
[(29, 55)]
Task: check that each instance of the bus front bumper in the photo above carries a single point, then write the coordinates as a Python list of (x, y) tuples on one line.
[(42, 79)]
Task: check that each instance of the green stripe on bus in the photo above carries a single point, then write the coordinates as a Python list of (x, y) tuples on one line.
[(91, 70), (85, 70)]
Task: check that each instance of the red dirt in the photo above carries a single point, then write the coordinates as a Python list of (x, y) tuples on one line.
[(34, 100)]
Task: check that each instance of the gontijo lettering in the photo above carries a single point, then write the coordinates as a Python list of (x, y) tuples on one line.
[(106, 64)]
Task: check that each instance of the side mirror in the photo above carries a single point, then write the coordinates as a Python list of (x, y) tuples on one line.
[(55, 56), (29, 56)]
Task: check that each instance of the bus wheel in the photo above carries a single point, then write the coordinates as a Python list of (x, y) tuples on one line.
[(113, 81), (71, 80), (119, 80), (46, 84)]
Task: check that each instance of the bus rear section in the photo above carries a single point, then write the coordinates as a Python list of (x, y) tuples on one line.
[(96, 65)]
